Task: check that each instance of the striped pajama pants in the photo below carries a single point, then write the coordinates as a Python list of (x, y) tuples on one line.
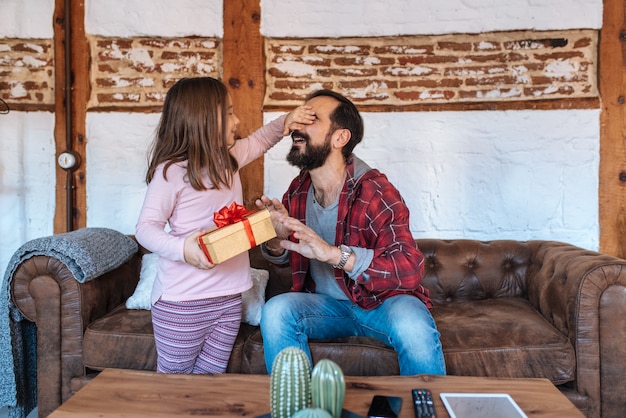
[(196, 336)]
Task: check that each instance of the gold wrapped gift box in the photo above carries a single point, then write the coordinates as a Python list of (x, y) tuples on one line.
[(223, 243)]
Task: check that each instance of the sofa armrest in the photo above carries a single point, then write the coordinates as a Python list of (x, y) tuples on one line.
[(583, 293), (46, 293)]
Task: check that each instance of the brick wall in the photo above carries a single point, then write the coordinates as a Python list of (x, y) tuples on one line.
[(407, 70), (27, 71), (137, 72)]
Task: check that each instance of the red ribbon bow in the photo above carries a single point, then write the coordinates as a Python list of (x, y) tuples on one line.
[(229, 215), (233, 214)]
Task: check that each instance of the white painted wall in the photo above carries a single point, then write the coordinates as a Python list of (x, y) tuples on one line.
[(26, 19), (483, 175), (117, 157), (27, 166), (129, 18), (27, 179), (323, 18)]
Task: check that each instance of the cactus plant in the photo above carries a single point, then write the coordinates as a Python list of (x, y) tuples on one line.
[(290, 383), (328, 387), (312, 413)]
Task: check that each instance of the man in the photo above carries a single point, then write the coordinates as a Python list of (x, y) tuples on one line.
[(345, 230)]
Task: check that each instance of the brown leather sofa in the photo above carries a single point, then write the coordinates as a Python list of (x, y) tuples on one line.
[(504, 309)]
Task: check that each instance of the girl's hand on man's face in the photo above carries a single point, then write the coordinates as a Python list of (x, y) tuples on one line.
[(298, 119)]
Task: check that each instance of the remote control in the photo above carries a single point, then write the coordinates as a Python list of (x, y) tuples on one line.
[(423, 403)]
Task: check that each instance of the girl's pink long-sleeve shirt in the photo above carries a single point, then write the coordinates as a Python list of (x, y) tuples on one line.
[(174, 203)]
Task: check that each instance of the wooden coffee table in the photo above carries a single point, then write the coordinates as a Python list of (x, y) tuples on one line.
[(130, 393)]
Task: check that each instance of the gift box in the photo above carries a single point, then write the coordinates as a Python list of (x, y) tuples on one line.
[(238, 230)]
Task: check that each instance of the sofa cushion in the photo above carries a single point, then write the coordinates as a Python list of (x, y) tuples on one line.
[(122, 339), (140, 299), (253, 299), (503, 337), (357, 356)]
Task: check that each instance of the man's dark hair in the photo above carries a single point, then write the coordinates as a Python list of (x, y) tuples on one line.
[(345, 116)]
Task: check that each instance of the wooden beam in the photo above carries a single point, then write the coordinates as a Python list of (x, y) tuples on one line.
[(244, 74), (612, 83), (71, 202), (80, 95), (581, 103), (60, 113)]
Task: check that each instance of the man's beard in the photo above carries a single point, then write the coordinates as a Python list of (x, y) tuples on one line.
[(314, 156)]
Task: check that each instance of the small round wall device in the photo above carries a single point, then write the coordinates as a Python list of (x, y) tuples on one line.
[(67, 160)]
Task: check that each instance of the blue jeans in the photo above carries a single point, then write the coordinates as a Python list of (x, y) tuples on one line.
[(402, 322)]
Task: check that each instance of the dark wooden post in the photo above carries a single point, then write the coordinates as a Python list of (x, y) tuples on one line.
[(612, 187), (244, 67)]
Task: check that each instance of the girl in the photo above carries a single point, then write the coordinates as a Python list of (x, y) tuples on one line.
[(193, 172)]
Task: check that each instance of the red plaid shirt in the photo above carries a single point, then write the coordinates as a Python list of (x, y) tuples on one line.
[(373, 215)]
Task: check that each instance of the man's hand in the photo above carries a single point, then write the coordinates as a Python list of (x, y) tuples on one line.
[(278, 213), (194, 254), (298, 118), (310, 244)]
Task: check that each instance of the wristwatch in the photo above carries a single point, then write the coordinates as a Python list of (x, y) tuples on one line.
[(345, 254)]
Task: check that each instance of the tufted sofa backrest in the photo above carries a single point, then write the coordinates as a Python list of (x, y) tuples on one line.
[(463, 270)]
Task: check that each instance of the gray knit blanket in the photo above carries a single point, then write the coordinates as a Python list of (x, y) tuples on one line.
[(88, 253)]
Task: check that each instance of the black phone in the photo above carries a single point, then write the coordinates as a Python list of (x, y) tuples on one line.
[(385, 407)]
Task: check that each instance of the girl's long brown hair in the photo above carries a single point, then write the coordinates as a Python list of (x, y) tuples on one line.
[(192, 128)]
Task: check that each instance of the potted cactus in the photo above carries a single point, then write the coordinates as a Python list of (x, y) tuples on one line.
[(290, 383), (328, 387), (312, 413), (293, 386)]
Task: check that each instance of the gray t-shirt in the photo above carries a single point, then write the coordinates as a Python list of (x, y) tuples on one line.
[(324, 222)]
